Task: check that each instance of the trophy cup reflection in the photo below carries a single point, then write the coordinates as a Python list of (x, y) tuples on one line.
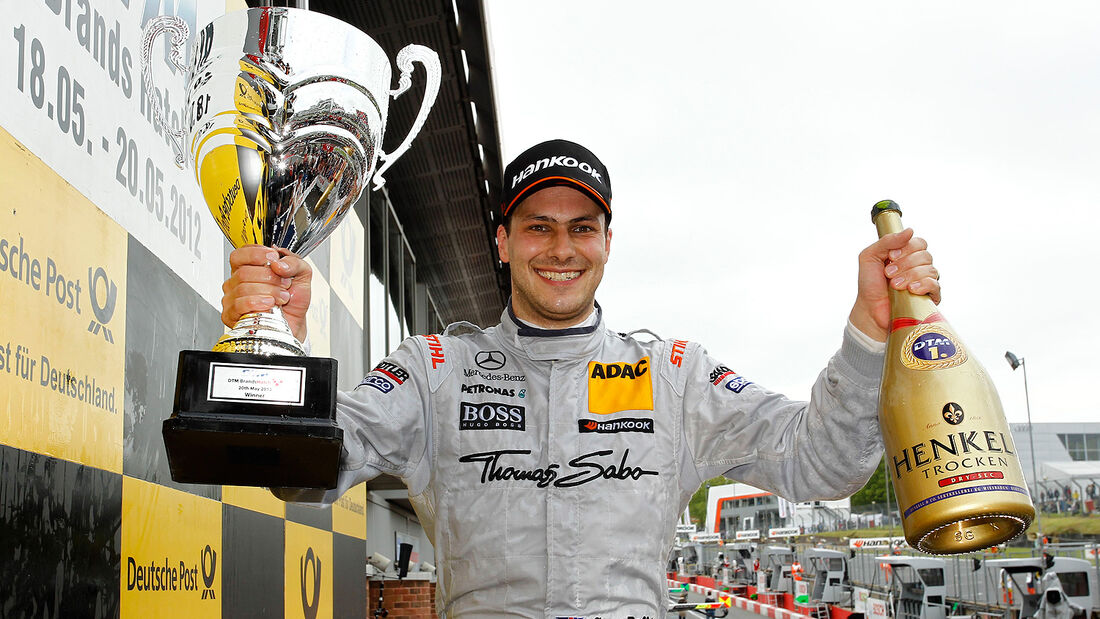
[(285, 113)]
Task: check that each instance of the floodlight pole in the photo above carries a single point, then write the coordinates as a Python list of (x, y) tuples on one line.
[(1021, 363)]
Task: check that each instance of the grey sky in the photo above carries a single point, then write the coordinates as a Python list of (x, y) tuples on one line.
[(747, 141)]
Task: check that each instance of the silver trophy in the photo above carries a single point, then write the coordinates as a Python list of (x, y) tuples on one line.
[(284, 117)]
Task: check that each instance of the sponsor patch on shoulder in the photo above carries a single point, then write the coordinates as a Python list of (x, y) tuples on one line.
[(379, 383), (737, 384), (392, 371), (718, 373)]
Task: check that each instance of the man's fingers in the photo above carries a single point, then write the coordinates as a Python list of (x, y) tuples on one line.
[(256, 255), (908, 261), (260, 275)]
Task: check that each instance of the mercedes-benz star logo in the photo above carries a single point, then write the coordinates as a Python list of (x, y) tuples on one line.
[(490, 359)]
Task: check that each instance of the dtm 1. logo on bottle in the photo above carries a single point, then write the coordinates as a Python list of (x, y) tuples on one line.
[(931, 347)]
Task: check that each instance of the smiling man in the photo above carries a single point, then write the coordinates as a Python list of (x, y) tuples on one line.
[(549, 458)]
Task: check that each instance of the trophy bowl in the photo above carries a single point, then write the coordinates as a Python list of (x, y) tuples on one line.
[(285, 110)]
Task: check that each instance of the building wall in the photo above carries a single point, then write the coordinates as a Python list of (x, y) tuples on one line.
[(110, 266), (1050, 449)]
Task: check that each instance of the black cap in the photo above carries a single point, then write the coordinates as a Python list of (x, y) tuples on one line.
[(554, 163)]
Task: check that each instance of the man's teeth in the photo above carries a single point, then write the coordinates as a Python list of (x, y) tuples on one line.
[(559, 276)]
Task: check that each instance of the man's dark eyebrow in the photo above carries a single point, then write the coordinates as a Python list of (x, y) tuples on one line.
[(575, 220)]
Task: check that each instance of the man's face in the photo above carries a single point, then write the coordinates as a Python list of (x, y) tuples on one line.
[(557, 247)]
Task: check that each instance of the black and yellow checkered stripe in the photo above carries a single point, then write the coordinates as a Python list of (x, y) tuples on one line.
[(91, 524)]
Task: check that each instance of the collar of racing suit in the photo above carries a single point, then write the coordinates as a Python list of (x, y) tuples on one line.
[(551, 344)]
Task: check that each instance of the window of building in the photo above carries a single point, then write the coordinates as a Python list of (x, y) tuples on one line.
[(1081, 446)]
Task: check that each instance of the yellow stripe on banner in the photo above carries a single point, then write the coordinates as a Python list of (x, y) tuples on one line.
[(62, 316), (172, 560), (349, 513), (255, 499), (308, 569)]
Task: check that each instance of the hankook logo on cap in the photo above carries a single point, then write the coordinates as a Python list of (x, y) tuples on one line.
[(490, 359)]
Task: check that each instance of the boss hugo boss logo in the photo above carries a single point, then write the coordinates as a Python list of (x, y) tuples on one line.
[(490, 389), (581, 470), (952, 413), (588, 426), (490, 359), (491, 416), (310, 564), (559, 160)]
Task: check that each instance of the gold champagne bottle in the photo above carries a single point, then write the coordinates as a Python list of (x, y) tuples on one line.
[(949, 451)]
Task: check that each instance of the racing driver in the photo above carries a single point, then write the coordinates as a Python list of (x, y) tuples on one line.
[(547, 457)]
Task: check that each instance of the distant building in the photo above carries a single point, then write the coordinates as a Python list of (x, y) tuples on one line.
[(1067, 455), (741, 507)]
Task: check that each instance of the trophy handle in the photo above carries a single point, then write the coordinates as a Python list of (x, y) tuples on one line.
[(180, 33), (405, 59)]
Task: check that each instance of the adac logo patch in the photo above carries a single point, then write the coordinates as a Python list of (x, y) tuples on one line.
[(931, 347), (624, 386)]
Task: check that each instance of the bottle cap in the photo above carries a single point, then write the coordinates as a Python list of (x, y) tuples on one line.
[(884, 205)]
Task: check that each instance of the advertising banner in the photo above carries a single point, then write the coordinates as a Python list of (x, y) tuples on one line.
[(71, 91), (63, 335)]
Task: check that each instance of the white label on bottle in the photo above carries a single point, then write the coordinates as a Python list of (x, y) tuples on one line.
[(262, 384)]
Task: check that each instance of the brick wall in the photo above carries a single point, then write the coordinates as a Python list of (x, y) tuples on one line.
[(404, 599)]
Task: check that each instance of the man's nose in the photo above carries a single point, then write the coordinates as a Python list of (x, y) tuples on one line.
[(562, 246)]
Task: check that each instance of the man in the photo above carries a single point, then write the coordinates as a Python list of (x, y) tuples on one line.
[(549, 458)]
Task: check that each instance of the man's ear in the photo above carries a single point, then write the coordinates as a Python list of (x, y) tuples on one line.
[(502, 243)]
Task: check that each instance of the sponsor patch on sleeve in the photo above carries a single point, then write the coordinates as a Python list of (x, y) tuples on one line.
[(379, 383), (624, 386), (391, 371), (732, 381), (737, 384)]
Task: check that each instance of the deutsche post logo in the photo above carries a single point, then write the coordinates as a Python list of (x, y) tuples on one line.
[(614, 387), (931, 347), (104, 295), (311, 563), (209, 569)]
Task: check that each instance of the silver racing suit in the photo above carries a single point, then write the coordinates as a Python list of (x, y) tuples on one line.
[(549, 467)]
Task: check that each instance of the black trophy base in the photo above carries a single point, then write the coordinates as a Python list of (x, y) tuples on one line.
[(254, 420)]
